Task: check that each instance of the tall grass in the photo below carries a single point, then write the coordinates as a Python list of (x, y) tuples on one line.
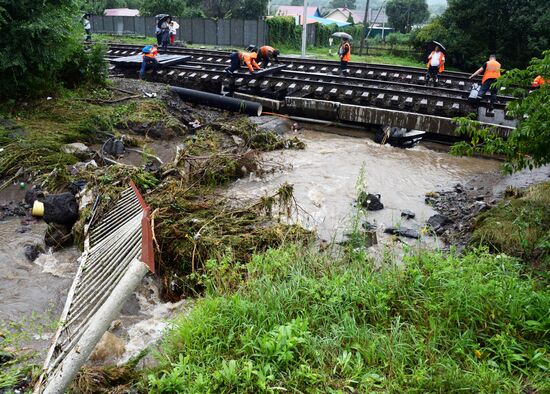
[(306, 322)]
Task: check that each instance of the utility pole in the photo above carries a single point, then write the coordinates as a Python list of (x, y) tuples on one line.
[(365, 20), (304, 30)]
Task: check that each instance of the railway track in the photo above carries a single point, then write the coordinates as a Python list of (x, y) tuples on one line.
[(407, 95), (382, 72)]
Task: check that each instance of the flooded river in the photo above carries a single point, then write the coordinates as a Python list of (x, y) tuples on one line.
[(324, 176), (326, 173)]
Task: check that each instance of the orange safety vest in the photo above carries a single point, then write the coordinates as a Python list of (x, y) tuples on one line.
[(154, 52), (250, 60), (266, 51), (539, 81), (492, 71), (441, 61), (347, 56)]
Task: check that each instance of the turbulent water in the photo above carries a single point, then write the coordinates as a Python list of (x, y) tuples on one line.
[(324, 176), (326, 173)]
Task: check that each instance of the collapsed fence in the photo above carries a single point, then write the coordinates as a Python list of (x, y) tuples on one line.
[(118, 252)]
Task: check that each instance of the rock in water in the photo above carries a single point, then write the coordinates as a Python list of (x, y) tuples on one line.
[(61, 209), (407, 214), (403, 231), (370, 201), (32, 251), (437, 222)]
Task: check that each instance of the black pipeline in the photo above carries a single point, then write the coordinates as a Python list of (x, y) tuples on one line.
[(222, 102)]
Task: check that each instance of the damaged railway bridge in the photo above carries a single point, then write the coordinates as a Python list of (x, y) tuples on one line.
[(371, 96)]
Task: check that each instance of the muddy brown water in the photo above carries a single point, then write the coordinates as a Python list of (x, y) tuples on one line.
[(324, 176)]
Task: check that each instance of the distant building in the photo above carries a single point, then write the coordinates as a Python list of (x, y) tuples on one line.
[(121, 12), (297, 12), (342, 15)]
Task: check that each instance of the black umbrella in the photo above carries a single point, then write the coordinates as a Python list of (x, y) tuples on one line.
[(162, 16)]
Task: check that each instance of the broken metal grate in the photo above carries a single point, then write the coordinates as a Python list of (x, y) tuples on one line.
[(110, 245)]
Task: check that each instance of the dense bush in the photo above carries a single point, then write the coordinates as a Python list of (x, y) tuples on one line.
[(528, 145), (85, 65), (304, 320), (515, 30), (283, 31), (38, 40)]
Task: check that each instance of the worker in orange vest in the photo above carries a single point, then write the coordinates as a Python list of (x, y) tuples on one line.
[(436, 65), (491, 72), (150, 53), (538, 81), (267, 53), (248, 58), (345, 55)]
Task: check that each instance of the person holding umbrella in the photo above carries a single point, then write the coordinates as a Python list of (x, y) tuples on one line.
[(436, 64), (164, 31), (344, 51)]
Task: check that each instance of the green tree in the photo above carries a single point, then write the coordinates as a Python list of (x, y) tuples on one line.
[(297, 2), (181, 8), (349, 4), (403, 14), (37, 39), (516, 30), (244, 9), (529, 144)]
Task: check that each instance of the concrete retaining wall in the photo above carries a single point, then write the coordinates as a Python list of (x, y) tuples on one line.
[(330, 110)]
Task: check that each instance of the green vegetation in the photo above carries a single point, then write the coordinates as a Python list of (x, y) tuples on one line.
[(309, 322), (39, 43), (515, 30), (528, 145), (404, 14), (245, 9), (44, 126), (18, 363), (519, 226)]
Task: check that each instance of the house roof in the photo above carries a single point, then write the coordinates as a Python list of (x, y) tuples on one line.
[(290, 10), (358, 15), (326, 21), (121, 12)]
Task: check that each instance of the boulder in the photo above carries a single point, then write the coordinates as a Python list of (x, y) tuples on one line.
[(274, 124), (32, 251), (113, 147), (403, 231), (437, 223), (407, 214), (77, 149), (369, 226), (370, 201), (61, 209)]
